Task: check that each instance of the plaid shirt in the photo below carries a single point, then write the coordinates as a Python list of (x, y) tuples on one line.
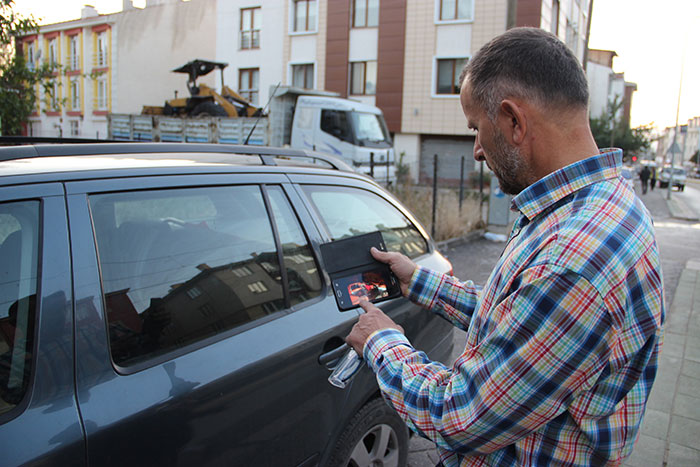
[(562, 342)]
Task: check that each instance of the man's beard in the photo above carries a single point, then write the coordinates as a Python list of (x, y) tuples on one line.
[(509, 167)]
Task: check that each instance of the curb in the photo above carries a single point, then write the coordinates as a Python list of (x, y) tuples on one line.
[(469, 237), (679, 210)]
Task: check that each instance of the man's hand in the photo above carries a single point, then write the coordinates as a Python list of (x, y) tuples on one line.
[(402, 267), (373, 320)]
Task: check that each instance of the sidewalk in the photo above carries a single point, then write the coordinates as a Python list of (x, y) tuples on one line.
[(671, 430)]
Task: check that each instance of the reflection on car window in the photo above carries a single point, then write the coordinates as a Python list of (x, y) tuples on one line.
[(302, 273), (348, 212), (19, 245), (182, 265)]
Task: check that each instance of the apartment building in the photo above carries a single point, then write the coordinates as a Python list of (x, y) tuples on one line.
[(687, 143), (116, 63), (81, 54), (606, 86), (403, 56)]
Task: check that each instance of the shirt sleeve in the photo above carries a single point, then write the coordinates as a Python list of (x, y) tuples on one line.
[(551, 339), (444, 295)]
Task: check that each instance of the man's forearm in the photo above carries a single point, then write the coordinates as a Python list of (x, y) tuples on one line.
[(444, 295)]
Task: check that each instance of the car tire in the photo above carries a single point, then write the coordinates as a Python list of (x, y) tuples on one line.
[(209, 109), (376, 435)]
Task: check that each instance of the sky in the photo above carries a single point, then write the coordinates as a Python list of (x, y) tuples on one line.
[(654, 42)]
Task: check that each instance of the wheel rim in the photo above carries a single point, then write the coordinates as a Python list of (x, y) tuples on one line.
[(378, 447)]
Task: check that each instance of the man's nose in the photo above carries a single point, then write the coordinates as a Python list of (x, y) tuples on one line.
[(478, 150)]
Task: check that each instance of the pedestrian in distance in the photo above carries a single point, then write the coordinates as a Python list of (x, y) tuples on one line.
[(652, 179), (644, 177), (564, 337)]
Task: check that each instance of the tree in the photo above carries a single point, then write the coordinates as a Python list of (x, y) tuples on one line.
[(609, 130), (18, 82)]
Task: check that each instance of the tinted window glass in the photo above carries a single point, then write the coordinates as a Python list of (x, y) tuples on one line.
[(351, 211), (182, 265), (19, 245), (302, 273)]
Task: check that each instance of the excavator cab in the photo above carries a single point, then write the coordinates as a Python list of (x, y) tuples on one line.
[(205, 101)]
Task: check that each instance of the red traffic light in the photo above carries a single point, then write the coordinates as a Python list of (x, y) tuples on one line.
[(634, 158)]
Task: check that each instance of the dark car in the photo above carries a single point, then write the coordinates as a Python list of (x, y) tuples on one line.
[(166, 304)]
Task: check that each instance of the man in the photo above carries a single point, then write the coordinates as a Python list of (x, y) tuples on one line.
[(563, 340), (644, 178)]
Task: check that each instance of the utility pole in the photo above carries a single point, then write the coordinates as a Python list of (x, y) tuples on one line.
[(675, 131)]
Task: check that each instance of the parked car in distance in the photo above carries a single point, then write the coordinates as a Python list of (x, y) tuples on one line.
[(679, 177), (166, 304)]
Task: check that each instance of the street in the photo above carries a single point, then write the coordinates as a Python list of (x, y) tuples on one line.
[(670, 433)]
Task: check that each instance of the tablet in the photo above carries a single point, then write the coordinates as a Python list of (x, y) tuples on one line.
[(356, 274)]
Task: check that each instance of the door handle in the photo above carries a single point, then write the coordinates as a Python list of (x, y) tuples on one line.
[(334, 354)]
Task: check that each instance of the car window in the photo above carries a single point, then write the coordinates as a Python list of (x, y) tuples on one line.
[(335, 122), (19, 245), (348, 212), (302, 273), (182, 265)]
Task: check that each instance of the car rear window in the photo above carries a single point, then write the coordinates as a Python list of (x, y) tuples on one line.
[(349, 211), (19, 246), (179, 266)]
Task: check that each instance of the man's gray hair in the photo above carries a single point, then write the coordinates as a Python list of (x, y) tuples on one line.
[(527, 63)]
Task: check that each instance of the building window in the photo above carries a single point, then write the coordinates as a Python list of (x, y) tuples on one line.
[(363, 78), (74, 94), (572, 36), (555, 17), (304, 15), (102, 94), (248, 84), (74, 51), (365, 13), (303, 76), (452, 10), (250, 28), (31, 55), (448, 71), (53, 52), (102, 49), (52, 97), (74, 128)]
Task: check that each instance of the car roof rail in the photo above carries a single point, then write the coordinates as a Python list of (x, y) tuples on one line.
[(26, 148)]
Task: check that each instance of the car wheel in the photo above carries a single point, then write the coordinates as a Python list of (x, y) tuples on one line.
[(209, 109), (375, 436)]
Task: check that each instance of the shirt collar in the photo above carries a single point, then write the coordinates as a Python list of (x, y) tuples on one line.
[(548, 190)]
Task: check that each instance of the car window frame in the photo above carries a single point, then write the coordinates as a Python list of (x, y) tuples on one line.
[(129, 184)]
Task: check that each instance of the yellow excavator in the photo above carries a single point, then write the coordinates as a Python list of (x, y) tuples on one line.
[(205, 101)]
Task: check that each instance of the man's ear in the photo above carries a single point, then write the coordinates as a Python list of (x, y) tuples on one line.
[(513, 122)]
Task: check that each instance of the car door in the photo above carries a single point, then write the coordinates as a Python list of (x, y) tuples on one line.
[(39, 420), (349, 206), (200, 319)]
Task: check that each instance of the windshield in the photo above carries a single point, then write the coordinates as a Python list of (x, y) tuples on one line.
[(369, 127)]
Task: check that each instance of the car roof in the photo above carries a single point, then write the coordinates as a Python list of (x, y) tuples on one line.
[(65, 161)]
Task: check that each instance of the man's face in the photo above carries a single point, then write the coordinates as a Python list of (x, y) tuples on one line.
[(505, 160)]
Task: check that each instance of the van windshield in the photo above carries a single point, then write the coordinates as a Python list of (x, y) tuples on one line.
[(370, 128)]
